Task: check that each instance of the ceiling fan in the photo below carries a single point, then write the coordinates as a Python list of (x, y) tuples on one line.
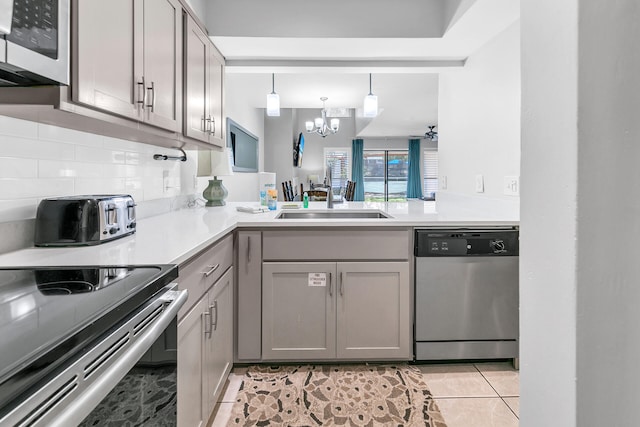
[(431, 134)]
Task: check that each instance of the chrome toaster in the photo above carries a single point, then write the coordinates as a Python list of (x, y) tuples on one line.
[(84, 220)]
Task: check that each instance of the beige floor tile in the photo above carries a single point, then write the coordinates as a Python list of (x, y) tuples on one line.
[(514, 404), (459, 380), (230, 392), (502, 377), (222, 414), (476, 412)]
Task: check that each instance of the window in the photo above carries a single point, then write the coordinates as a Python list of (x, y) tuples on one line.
[(430, 174), (340, 161), (385, 175)]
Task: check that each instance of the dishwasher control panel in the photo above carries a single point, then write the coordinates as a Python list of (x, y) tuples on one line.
[(430, 243)]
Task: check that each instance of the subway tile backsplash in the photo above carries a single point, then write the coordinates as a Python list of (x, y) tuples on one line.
[(40, 160)]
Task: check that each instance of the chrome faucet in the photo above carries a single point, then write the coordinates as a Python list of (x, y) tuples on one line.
[(329, 192)]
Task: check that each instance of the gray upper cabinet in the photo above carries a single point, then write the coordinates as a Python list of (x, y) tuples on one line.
[(162, 55), (128, 59), (106, 59), (204, 68)]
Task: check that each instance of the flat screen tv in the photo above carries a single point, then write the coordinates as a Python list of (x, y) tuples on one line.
[(298, 149), (244, 146)]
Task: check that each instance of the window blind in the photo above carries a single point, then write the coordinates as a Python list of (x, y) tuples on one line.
[(430, 174)]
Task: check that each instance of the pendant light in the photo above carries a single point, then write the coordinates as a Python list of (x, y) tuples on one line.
[(273, 100), (370, 108)]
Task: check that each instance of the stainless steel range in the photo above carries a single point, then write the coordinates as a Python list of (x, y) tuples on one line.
[(88, 345), (466, 294)]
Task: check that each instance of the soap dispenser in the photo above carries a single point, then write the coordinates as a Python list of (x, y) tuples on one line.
[(305, 200)]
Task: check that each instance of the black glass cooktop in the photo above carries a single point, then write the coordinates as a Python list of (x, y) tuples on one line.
[(49, 313)]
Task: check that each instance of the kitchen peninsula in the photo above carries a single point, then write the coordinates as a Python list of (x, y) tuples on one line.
[(265, 288)]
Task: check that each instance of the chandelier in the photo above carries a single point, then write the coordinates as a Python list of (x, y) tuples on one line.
[(320, 126)]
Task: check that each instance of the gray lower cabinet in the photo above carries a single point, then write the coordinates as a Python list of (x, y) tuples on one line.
[(298, 311), (205, 352), (205, 332), (249, 296), (192, 410), (219, 347), (344, 310)]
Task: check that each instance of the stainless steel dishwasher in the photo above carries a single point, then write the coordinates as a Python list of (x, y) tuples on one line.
[(466, 294)]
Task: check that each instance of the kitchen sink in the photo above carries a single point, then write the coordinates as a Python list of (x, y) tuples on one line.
[(333, 215)]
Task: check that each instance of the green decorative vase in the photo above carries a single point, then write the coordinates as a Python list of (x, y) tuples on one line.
[(215, 193)]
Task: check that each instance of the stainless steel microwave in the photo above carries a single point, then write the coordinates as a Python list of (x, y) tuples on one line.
[(34, 42)]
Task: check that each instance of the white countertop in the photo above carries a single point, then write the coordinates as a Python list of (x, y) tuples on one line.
[(174, 237)]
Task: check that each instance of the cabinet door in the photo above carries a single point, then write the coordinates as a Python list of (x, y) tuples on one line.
[(162, 58), (216, 85), (219, 348), (196, 82), (374, 316), (106, 55), (192, 408), (249, 296), (298, 311)]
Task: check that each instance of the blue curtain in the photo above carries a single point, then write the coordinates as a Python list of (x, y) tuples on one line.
[(357, 168), (414, 189)]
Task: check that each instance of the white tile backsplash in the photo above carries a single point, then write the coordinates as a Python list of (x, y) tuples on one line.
[(69, 136), (99, 186), (39, 160), (14, 146), (68, 169), (18, 208), (23, 128), (98, 155), (11, 188), (11, 167)]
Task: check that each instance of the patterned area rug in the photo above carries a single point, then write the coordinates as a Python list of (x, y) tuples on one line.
[(335, 395)]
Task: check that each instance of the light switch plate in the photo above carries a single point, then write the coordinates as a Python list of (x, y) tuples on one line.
[(479, 184), (512, 185), (443, 182)]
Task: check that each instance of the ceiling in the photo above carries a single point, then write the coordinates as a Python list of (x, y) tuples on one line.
[(405, 44)]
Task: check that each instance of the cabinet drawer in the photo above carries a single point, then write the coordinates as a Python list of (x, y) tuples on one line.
[(336, 244), (201, 272)]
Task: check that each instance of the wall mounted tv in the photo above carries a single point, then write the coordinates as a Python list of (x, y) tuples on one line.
[(244, 146)]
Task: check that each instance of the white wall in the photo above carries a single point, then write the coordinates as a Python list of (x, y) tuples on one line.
[(580, 324), (608, 295), (479, 118), (548, 246)]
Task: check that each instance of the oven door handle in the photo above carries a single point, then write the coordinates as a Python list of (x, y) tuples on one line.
[(83, 404)]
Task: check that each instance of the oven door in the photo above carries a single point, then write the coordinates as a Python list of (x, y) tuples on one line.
[(36, 47), (127, 376)]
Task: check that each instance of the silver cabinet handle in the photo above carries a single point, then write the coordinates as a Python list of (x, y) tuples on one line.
[(248, 249), (330, 284), (142, 99), (207, 324), (214, 319), (208, 121), (213, 126), (341, 285), (152, 88), (211, 270)]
